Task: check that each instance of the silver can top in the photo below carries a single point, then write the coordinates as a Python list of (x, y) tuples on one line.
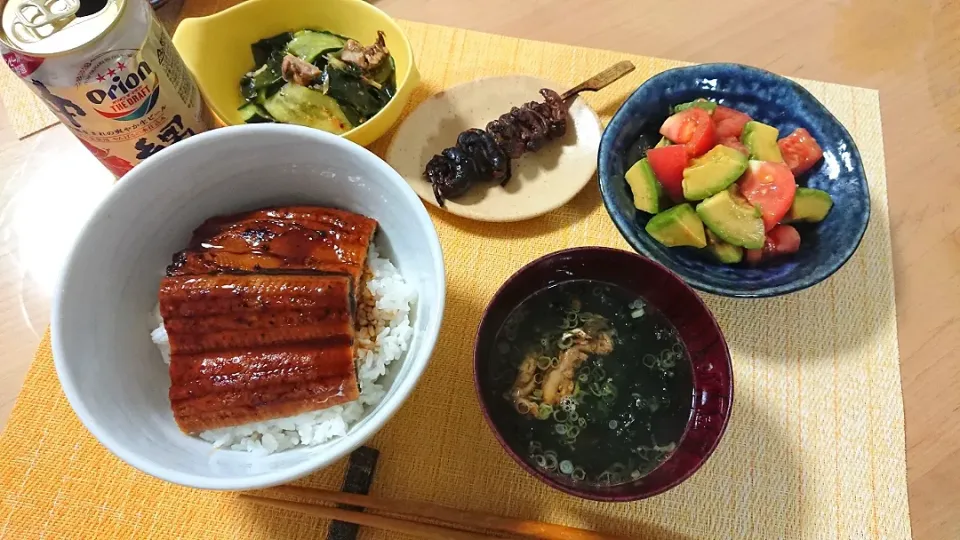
[(53, 27)]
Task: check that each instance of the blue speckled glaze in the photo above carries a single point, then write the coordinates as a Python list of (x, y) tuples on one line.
[(773, 100)]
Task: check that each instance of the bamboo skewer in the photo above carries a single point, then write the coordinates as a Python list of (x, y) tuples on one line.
[(406, 509), (601, 79)]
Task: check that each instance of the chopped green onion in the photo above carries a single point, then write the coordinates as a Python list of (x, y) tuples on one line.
[(560, 415), (561, 428), (579, 474), (544, 411), (649, 360), (566, 467), (543, 362)]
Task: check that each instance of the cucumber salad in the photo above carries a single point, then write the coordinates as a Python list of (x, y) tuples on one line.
[(317, 79), (740, 175)]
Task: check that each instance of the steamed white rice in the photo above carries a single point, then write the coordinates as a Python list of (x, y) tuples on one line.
[(384, 336)]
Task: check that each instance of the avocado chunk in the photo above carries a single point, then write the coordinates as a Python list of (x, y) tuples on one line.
[(713, 172), (645, 187), (699, 103), (761, 140), (810, 205), (722, 251), (663, 142), (733, 219), (678, 226)]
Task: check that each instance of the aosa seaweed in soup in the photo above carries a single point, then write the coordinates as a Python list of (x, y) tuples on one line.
[(592, 383)]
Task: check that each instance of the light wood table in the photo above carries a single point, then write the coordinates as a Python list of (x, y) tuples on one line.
[(910, 51)]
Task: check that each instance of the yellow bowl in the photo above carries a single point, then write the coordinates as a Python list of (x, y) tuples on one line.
[(216, 49)]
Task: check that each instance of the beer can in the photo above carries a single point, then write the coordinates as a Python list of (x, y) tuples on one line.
[(108, 70)]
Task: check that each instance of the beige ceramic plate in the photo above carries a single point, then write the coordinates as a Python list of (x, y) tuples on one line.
[(541, 181)]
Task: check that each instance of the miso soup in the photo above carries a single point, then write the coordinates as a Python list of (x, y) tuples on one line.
[(591, 383)]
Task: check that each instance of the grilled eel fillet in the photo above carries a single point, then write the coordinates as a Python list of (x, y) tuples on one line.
[(280, 240), (248, 348)]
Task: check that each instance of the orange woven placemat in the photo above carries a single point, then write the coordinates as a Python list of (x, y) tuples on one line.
[(815, 447)]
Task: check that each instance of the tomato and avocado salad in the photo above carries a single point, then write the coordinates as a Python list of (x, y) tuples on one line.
[(721, 181)]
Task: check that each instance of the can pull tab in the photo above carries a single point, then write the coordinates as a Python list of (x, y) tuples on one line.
[(37, 19)]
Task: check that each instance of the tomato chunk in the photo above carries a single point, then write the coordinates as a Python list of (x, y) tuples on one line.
[(729, 122), (668, 163), (733, 142), (753, 256), (781, 240), (800, 151), (770, 187), (693, 128)]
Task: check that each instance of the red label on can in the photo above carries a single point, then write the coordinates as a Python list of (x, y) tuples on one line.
[(22, 64)]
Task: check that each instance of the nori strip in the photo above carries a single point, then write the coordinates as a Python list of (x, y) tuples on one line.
[(359, 476)]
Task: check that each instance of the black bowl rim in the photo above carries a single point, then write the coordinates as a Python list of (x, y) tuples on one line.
[(584, 494), (629, 231)]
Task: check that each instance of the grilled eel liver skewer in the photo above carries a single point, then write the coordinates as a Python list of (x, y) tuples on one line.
[(486, 154)]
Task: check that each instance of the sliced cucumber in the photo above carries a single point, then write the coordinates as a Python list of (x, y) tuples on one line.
[(303, 106), (251, 113), (309, 44)]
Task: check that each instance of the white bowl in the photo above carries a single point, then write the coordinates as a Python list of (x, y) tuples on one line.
[(111, 372)]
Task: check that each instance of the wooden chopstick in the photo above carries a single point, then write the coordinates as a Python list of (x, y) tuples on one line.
[(463, 518), (424, 530)]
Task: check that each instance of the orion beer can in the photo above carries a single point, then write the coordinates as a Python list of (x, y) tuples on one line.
[(108, 70)]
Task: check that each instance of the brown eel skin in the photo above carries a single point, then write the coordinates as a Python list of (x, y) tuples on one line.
[(253, 347), (280, 240)]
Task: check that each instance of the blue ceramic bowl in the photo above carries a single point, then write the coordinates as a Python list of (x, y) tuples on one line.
[(773, 100)]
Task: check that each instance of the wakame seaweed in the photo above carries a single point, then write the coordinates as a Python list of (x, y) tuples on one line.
[(260, 84), (345, 84), (265, 47), (355, 94)]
